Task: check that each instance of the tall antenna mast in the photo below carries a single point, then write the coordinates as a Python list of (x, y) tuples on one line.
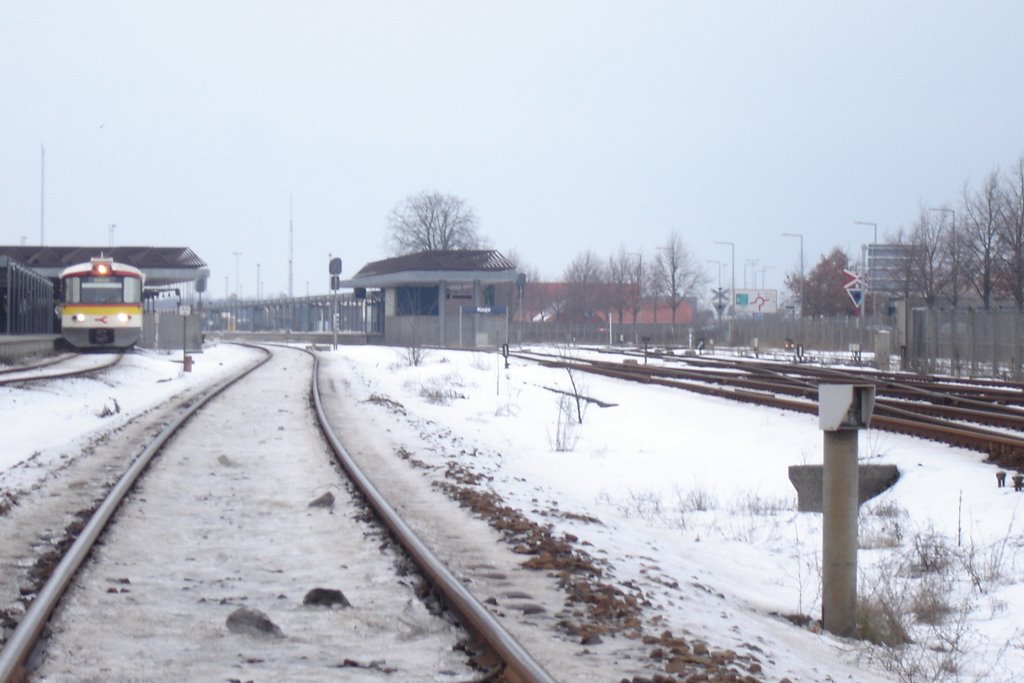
[(290, 249), (42, 196)]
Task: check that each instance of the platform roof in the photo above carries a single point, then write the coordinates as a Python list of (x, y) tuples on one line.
[(162, 266), (433, 267)]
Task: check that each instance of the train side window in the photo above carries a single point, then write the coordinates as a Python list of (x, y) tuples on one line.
[(72, 290), (132, 290)]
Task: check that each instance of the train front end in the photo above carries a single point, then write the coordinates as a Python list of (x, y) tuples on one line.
[(101, 305)]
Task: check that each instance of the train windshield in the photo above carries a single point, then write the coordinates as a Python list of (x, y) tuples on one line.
[(102, 290)]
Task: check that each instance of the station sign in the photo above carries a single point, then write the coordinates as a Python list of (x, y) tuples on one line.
[(485, 310)]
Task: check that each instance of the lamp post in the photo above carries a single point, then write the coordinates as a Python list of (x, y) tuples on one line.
[(719, 303), (732, 290), (719, 264), (870, 285), (237, 254), (801, 238), (753, 276)]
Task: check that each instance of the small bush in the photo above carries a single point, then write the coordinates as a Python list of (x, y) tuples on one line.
[(442, 390), (645, 505), (751, 503), (931, 553), (414, 355), (566, 427), (882, 611), (697, 499), (930, 600)]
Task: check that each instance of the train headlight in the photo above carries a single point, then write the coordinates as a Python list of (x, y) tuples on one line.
[(78, 317), (123, 317)]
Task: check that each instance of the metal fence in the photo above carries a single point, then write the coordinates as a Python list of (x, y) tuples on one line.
[(960, 342), (300, 314), (26, 300), (966, 342)]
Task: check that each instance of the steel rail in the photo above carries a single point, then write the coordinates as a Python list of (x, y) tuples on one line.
[(473, 615), (60, 375), (25, 636), (786, 380), (1003, 449), (45, 362)]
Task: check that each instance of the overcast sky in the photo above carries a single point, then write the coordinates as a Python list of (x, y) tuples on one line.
[(564, 125)]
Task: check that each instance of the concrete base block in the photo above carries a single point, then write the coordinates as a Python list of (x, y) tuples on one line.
[(808, 481)]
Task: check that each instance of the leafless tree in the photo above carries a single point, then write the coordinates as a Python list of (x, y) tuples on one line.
[(1011, 233), (981, 237), (431, 221), (621, 272), (954, 257), (584, 278), (927, 262), (638, 285), (678, 272)]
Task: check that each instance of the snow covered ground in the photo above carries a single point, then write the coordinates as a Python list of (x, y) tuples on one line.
[(694, 491), (692, 494)]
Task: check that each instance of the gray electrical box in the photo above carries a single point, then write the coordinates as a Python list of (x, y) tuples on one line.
[(845, 406)]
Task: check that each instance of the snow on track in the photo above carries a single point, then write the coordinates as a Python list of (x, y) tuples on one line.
[(223, 521)]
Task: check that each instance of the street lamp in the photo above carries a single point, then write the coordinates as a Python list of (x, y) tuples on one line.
[(719, 264), (801, 238), (732, 252), (237, 254), (753, 276), (870, 284)]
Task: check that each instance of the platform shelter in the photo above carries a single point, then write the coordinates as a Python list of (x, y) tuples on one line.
[(457, 298)]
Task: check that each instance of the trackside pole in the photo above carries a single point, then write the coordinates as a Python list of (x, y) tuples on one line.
[(839, 533), (843, 409)]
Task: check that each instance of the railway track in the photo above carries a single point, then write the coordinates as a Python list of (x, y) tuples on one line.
[(985, 417), (122, 578), (60, 367)]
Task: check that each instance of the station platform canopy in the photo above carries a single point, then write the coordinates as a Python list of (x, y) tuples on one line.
[(432, 267), (161, 266)]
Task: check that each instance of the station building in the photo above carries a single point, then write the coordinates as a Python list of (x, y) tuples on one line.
[(459, 298)]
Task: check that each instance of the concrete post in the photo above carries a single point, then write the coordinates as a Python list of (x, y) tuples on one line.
[(882, 346), (839, 532), (843, 409)]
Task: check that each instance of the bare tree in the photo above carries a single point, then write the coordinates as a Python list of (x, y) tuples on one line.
[(927, 262), (1011, 234), (678, 272), (638, 285), (431, 221), (621, 273), (981, 232), (583, 278)]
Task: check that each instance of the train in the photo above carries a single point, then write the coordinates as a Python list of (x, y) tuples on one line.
[(101, 304)]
